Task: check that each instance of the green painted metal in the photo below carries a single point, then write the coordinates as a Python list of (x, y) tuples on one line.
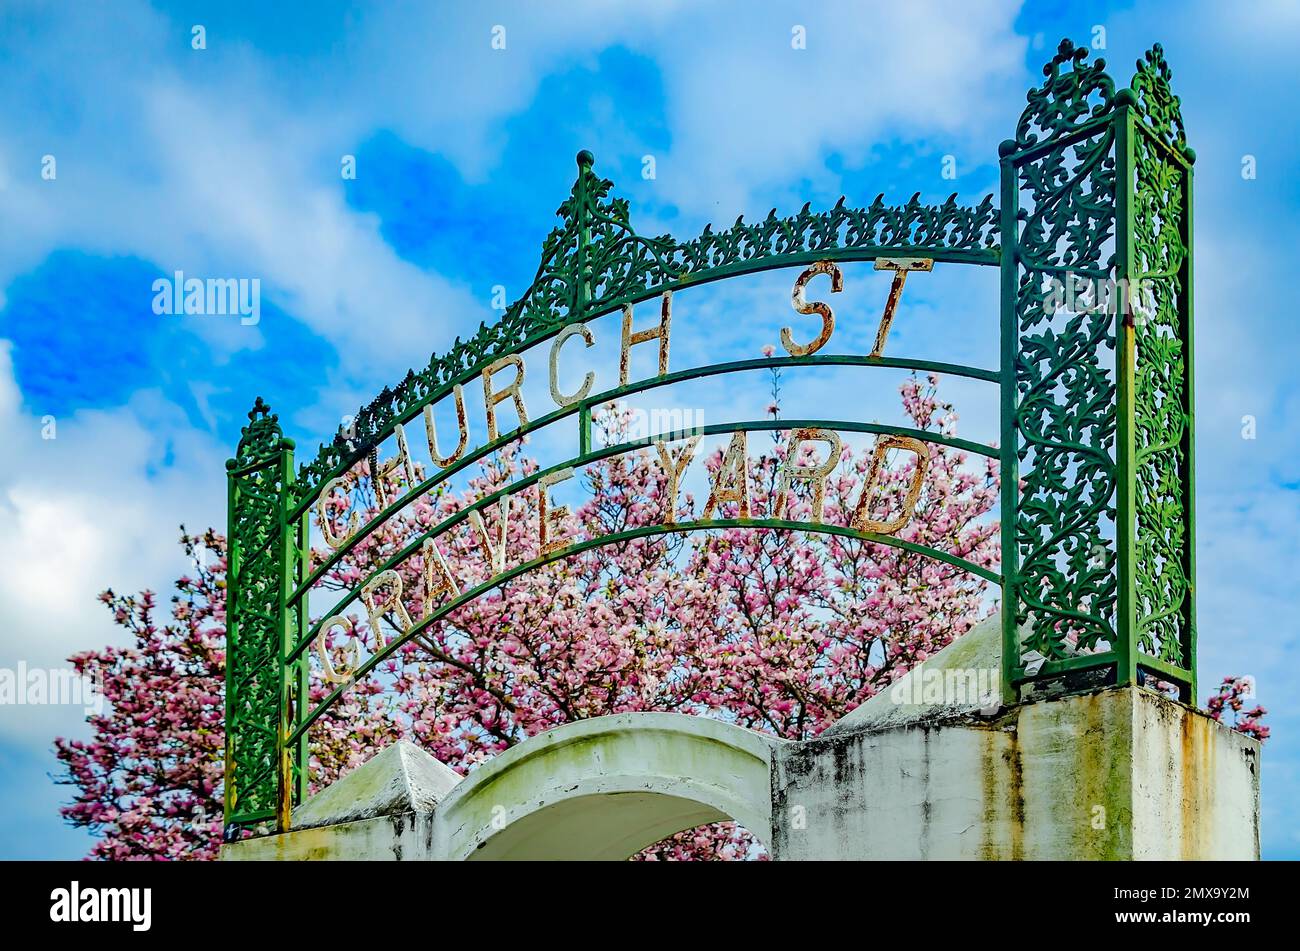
[(594, 263), (1097, 543), (1059, 397), (584, 410), (1164, 481), (260, 564), (645, 531), (1125, 357), (1096, 403), (485, 502), (1009, 469)]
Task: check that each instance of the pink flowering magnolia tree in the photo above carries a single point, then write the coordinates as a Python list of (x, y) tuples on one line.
[(1232, 696), (738, 624)]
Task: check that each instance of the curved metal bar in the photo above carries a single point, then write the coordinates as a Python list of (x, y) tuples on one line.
[(578, 548), (989, 257), (641, 386), (605, 452)]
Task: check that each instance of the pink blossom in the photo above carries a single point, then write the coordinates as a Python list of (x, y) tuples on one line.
[(780, 632)]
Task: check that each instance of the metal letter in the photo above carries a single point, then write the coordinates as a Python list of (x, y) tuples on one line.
[(815, 475), (816, 307), (900, 266), (438, 579), (735, 462), (393, 602), (630, 339), (379, 475), (458, 394), (588, 380), (491, 399), (549, 518), (862, 521), (496, 555), (328, 670), (674, 468), (326, 526)]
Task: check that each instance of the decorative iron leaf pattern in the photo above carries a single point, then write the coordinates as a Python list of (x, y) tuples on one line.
[(1156, 101), (1068, 98), (260, 439), (595, 261), (1065, 417), (1162, 421), (253, 658)]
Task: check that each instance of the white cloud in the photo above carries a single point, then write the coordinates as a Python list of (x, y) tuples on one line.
[(217, 163), (96, 507), (218, 180), (747, 110)]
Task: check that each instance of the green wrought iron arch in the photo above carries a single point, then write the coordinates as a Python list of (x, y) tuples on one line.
[(1097, 436), (594, 263), (616, 449), (577, 548), (583, 410)]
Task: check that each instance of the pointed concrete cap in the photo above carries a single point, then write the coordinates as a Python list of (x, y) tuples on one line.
[(400, 778), (962, 680)]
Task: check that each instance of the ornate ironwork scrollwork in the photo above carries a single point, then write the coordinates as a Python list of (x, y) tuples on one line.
[(1156, 102), (253, 617), (594, 261), (1067, 99), (1100, 267), (1162, 398), (1065, 417)]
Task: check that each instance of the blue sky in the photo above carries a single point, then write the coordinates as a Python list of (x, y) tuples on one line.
[(225, 162)]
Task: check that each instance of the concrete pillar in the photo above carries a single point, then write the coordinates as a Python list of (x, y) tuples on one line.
[(1118, 774)]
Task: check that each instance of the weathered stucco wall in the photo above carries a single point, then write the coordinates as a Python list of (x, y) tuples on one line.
[(1196, 786), (1116, 774), (603, 788)]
